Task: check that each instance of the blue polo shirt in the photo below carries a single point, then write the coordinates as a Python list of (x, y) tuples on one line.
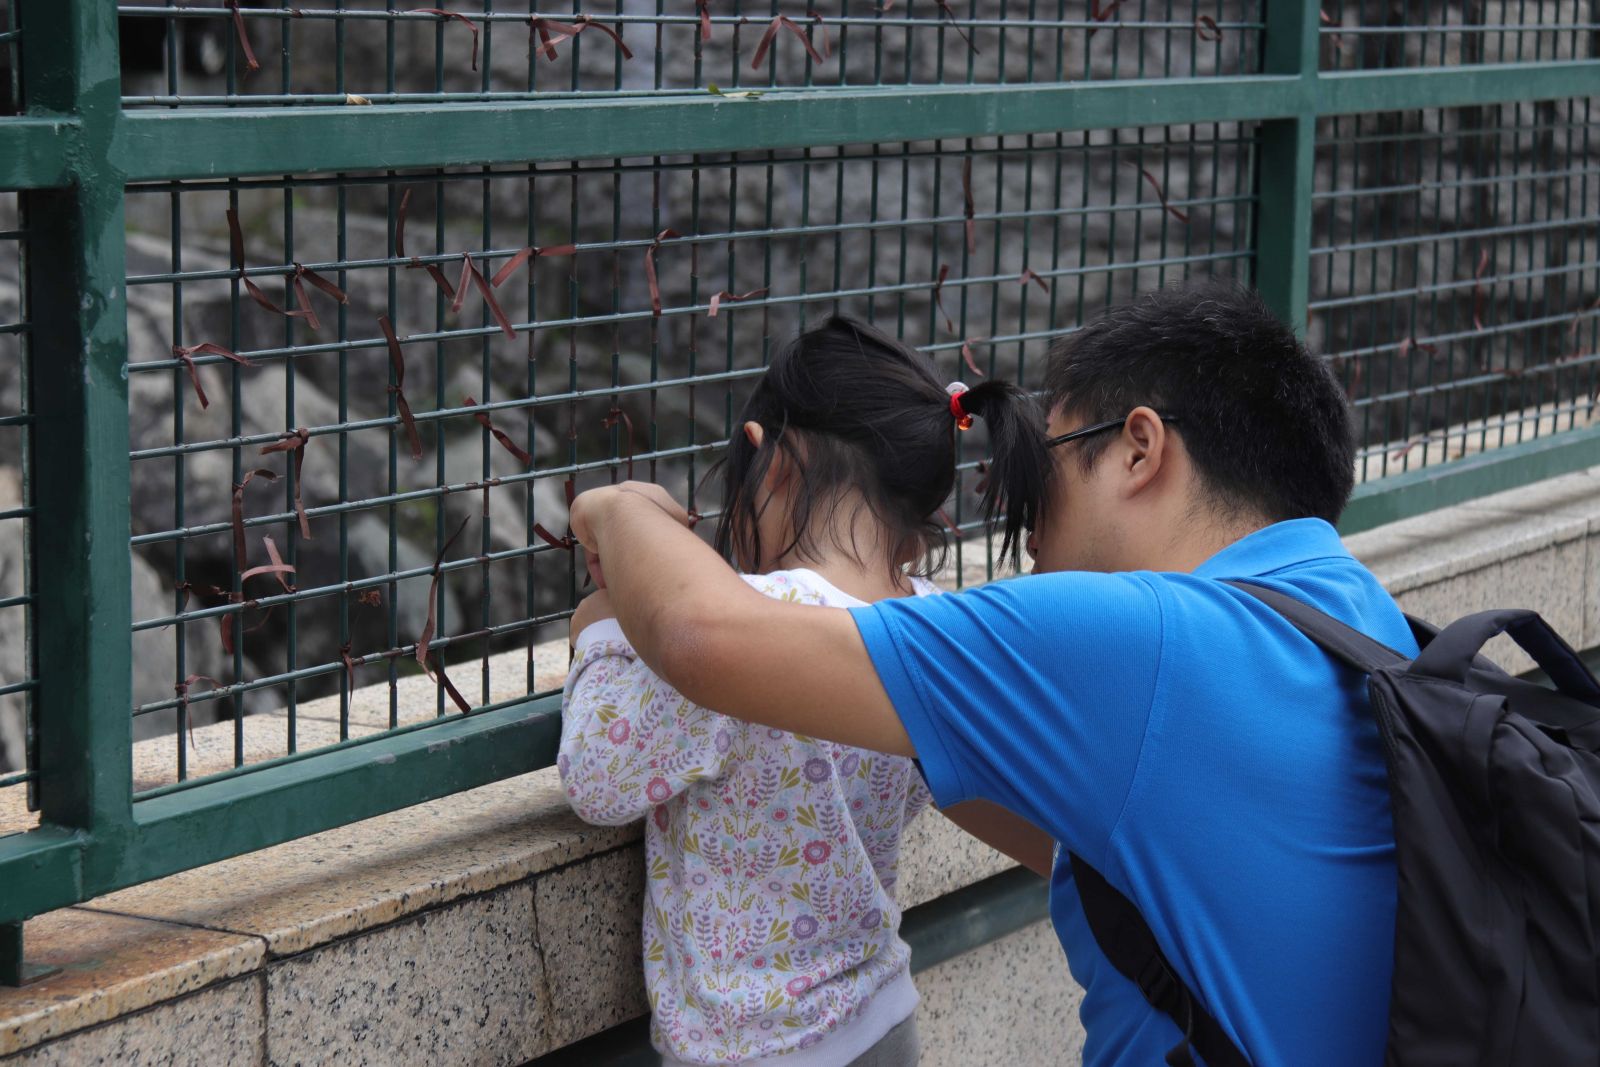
[(1214, 764)]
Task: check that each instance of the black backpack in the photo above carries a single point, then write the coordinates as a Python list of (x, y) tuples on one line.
[(1494, 784)]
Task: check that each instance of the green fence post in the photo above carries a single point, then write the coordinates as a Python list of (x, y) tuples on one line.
[(1286, 166), (75, 260)]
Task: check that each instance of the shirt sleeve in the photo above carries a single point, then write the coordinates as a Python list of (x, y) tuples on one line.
[(629, 741), (1033, 693)]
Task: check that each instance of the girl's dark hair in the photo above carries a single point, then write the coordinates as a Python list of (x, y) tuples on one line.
[(852, 408)]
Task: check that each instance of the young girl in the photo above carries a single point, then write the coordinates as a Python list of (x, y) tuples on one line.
[(770, 924)]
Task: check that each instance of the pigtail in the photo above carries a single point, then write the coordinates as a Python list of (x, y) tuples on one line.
[(1015, 490)]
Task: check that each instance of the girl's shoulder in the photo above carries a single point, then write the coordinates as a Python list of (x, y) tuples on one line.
[(804, 586), (800, 586)]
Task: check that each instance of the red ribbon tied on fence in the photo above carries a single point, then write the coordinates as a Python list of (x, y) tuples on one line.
[(564, 542), (298, 275), (614, 416), (949, 13), (397, 359), (244, 38), (1161, 194), (552, 33), (650, 269), (1101, 14), (1204, 25), (967, 356), (526, 254), (435, 670), (400, 249), (470, 272), (459, 17), (185, 354), (295, 441), (276, 566), (1028, 275), (723, 296), (938, 296), (505, 440), (783, 22)]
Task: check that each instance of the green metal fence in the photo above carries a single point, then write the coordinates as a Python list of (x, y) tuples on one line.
[(310, 317)]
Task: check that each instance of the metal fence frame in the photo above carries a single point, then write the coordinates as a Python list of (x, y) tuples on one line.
[(73, 153)]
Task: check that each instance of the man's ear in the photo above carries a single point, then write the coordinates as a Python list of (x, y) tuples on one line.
[(1145, 440)]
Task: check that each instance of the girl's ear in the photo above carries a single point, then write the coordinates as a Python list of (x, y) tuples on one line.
[(754, 433)]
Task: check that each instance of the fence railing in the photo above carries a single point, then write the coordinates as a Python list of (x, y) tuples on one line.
[(311, 317)]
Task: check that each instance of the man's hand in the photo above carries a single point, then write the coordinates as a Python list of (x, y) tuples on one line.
[(708, 634), (591, 507), (592, 609)]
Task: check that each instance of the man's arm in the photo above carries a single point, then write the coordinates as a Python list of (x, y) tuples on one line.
[(1005, 832), (722, 644)]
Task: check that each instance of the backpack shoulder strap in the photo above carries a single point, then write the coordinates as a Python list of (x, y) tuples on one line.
[(1129, 944), (1344, 643)]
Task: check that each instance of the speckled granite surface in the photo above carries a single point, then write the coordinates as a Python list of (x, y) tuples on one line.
[(1010, 1002), (459, 985), (589, 930), (305, 893), (219, 1027), (112, 966)]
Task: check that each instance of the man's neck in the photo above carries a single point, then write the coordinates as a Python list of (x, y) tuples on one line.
[(1204, 539)]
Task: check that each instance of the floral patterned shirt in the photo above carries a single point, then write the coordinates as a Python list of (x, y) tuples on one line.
[(770, 920)]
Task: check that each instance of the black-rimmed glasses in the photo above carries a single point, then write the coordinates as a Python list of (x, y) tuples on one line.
[(1100, 427)]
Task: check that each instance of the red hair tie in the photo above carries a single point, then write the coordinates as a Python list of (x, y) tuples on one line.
[(963, 420)]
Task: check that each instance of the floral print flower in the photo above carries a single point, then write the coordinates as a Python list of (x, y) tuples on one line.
[(817, 852), (871, 919), (780, 815), (724, 740), (849, 764), (617, 733), (796, 986), (658, 790), (804, 927), (661, 817), (817, 770)]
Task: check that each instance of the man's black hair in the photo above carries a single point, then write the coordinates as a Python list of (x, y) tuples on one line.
[(1263, 420), (855, 410)]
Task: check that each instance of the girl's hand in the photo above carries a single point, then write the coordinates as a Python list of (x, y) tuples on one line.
[(592, 609), (590, 508)]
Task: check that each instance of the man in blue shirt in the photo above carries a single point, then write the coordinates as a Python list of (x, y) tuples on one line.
[(1124, 703)]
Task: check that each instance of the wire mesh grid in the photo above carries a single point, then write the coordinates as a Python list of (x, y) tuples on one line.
[(363, 53), (1383, 34), (10, 68), (1456, 275), (18, 673), (553, 326)]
